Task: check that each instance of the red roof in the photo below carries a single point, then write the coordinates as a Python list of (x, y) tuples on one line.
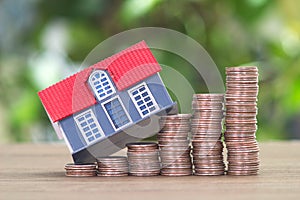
[(73, 94)]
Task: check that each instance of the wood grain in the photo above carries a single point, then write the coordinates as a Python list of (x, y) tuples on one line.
[(31, 171)]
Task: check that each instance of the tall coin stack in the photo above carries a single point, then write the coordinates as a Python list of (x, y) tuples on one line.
[(112, 166), (174, 145), (143, 159), (241, 110), (206, 131)]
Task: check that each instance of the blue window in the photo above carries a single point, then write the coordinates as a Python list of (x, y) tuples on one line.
[(93, 126), (81, 119), (138, 98), (83, 124), (147, 99), (143, 99), (142, 89), (89, 126), (145, 112), (91, 139), (152, 109), (135, 92), (150, 104), (101, 85), (88, 134), (145, 94), (95, 130), (116, 113)]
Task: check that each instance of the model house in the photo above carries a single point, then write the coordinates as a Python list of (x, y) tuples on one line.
[(115, 101)]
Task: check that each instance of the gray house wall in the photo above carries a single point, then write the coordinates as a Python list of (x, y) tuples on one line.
[(73, 134)]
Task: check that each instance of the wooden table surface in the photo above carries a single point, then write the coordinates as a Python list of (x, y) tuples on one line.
[(36, 171)]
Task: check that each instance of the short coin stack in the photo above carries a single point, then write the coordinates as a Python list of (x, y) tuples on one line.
[(81, 170), (143, 159), (112, 166), (174, 145), (241, 110), (206, 131)]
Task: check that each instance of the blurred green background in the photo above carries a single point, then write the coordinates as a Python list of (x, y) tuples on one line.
[(42, 42)]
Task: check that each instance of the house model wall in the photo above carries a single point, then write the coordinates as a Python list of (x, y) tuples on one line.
[(115, 101)]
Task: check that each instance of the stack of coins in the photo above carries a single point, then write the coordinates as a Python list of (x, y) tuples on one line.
[(206, 131), (173, 140), (112, 166), (143, 159), (241, 110), (81, 170)]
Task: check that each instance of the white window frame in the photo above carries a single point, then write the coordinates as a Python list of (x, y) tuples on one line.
[(83, 133), (108, 116), (130, 92), (102, 74)]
